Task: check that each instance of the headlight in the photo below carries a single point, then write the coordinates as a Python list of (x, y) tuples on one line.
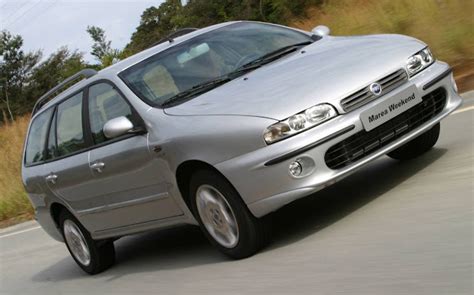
[(419, 61), (302, 121)]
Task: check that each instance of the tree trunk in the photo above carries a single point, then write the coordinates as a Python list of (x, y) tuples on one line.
[(4, 117), (7, 102), (261, 10)]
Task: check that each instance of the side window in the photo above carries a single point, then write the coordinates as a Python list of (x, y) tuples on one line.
[(69, 131), (105, 103), (37, 138)]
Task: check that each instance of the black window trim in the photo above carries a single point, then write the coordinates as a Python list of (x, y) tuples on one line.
[(85, 124), (54, 118), (83, 130)]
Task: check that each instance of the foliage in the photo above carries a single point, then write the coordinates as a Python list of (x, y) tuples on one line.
[(446, 25), (157, 23), (24, 79), (15, 71), (101, 48), (57, 67)]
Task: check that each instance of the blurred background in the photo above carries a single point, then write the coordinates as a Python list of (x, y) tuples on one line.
[(29, 66)]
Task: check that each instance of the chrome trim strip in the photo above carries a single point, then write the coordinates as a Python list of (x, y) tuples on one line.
[(309, 146), (122, 204), (364, 95)]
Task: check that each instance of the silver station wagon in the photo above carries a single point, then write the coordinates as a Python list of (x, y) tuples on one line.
[(220, 126)]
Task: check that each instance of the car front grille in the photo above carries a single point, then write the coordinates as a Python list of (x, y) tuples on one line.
[(364, 95), (364, 143)]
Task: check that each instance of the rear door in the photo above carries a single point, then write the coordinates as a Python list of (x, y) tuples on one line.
[(126, 175), (66, 170), (35, 155)]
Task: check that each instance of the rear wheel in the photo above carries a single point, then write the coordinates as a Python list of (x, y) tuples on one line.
[(223, 216), (92, 256), (417, 146)]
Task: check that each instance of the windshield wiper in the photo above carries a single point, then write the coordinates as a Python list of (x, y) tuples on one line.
[(274, 55), (206, 86), (195, 90)]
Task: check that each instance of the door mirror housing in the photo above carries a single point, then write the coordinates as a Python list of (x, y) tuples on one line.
[(321, 31), (117, 127)]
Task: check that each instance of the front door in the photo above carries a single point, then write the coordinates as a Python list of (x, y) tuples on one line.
[(125, 173)]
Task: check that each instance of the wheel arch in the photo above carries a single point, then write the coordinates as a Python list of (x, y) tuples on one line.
[(55, 210), (184, 173)]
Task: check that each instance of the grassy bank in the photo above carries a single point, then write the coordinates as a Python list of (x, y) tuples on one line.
[(14, 204), (446, 25)]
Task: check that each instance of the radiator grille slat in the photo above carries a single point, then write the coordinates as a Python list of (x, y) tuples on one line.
[(364, 96), (364, 143)]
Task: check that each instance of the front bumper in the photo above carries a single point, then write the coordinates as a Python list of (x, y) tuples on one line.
[(262, 178)]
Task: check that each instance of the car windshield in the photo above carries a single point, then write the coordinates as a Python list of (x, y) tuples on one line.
[(198, 62)]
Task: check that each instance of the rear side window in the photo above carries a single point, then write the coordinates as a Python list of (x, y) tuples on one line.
[(69, 131), (105, 104), (37, 138)]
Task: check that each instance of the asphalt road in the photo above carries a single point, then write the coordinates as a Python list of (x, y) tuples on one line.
[(392, 228)]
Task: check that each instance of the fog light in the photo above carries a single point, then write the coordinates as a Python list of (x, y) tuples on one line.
[(295, 169)]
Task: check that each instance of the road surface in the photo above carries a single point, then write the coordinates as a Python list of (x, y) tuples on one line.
[(392, 228)]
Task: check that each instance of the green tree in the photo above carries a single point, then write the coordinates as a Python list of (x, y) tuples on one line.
[(156, 24), (16, 68), (101, 45), (101, 48), (56, 68)]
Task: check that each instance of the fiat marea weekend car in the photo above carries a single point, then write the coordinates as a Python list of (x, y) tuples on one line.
[(220, 126)]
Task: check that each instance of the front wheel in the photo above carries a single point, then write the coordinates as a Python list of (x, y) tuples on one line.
[(92, 256), (223, 216), (417, 146)]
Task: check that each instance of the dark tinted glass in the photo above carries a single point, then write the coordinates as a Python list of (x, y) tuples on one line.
[(105, 103), (52, 150), (70, 135), (37, 138)]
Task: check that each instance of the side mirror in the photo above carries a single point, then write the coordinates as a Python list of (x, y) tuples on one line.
[(117, 127), (321, 31)]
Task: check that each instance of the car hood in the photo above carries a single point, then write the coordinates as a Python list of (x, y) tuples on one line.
[(323, 72)]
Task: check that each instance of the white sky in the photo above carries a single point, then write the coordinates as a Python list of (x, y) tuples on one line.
[(49, 24)]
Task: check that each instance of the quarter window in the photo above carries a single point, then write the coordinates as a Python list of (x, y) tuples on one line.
[(37, 138), (70, 135), (105, 104)]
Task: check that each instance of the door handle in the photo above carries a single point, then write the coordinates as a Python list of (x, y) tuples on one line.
[(51, 178), (98, 166)]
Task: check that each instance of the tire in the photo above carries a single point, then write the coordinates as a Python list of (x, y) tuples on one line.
[(101, 253), (252, 233), (417, 146)]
